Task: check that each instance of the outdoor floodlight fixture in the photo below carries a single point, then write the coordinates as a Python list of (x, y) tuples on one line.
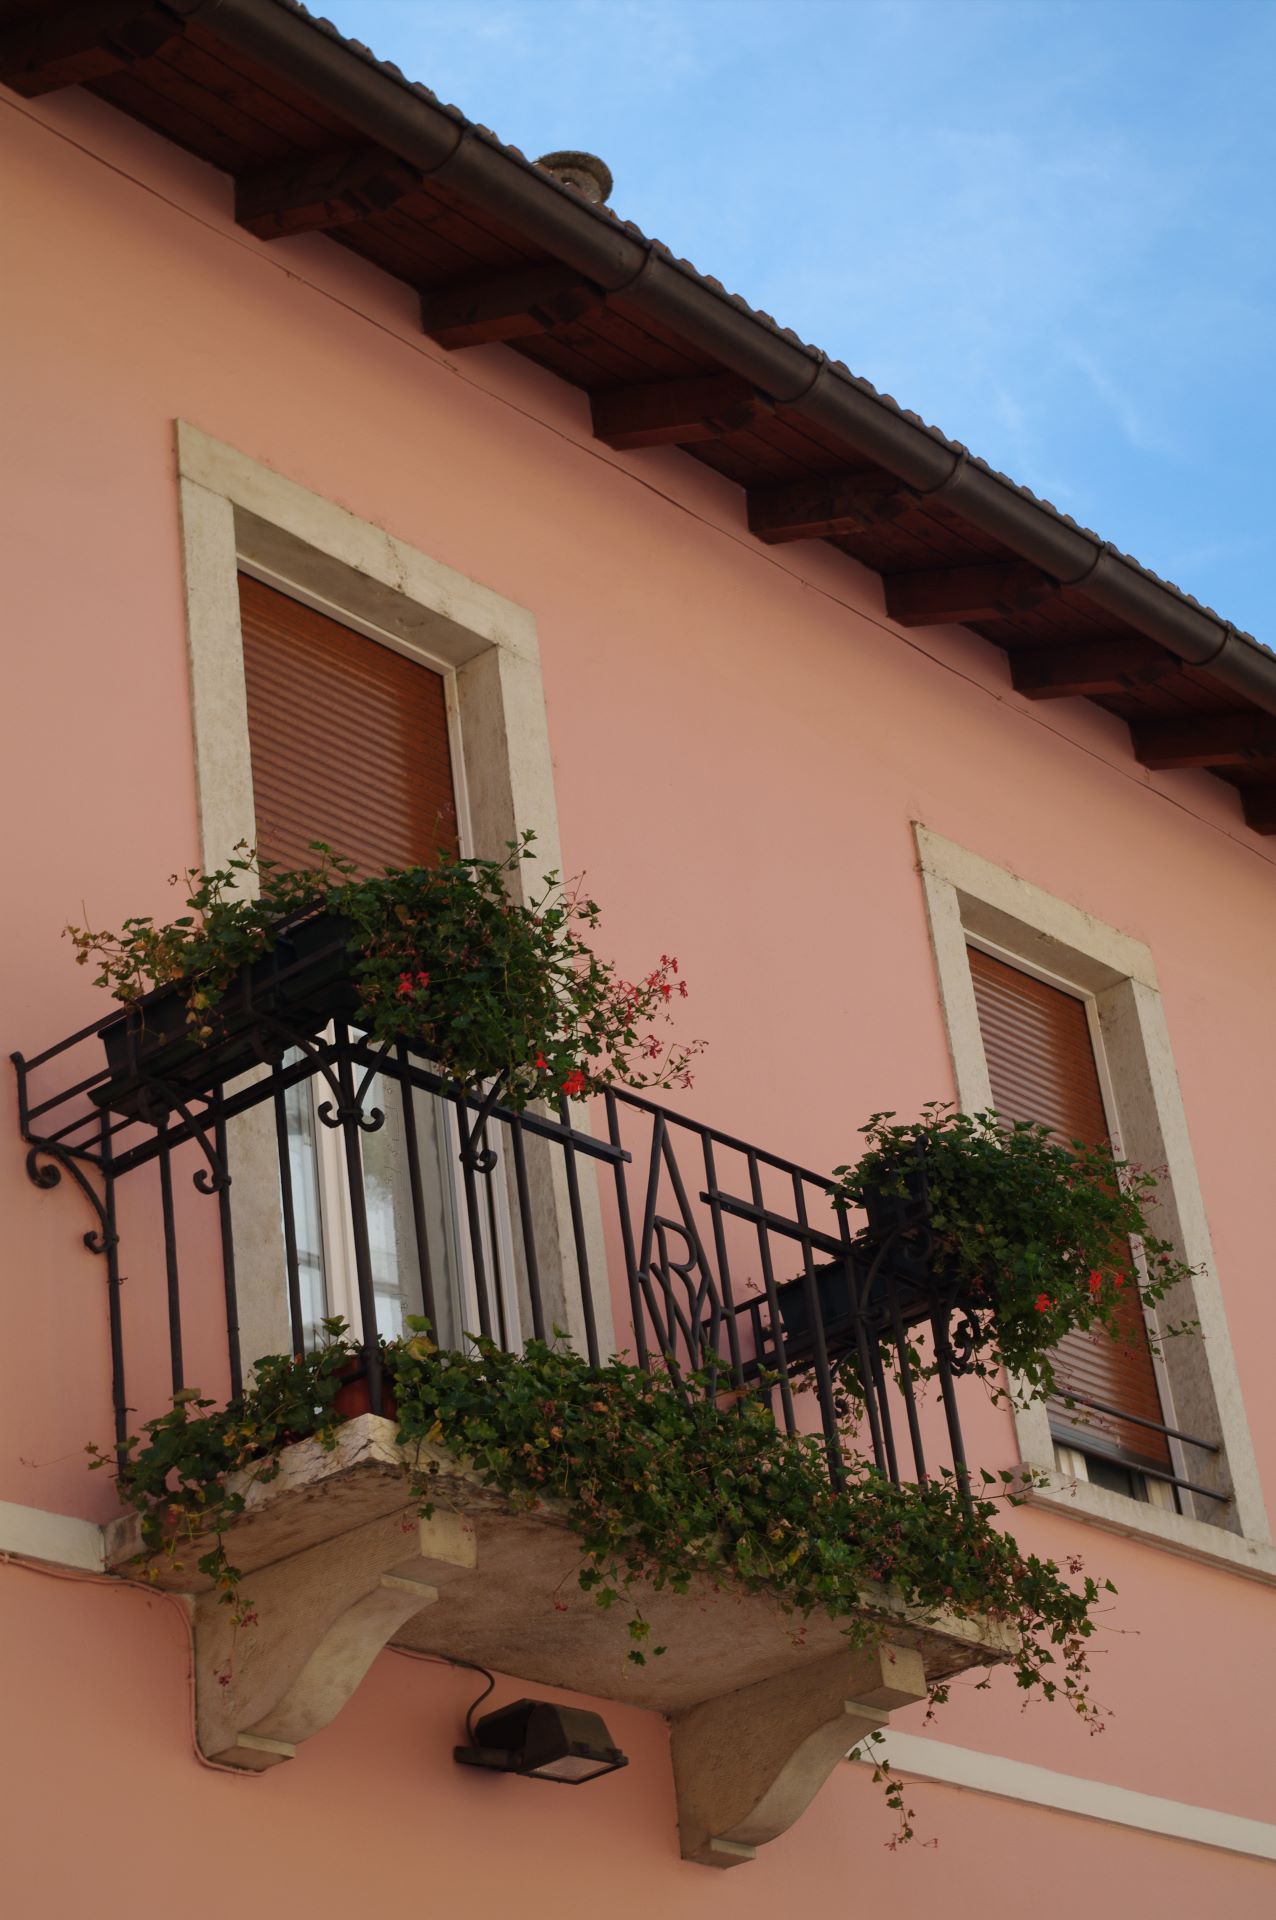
[(532, 1737)]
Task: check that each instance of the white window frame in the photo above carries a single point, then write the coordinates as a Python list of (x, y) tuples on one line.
[(1070, 1458), (238, 515), (968, 901)]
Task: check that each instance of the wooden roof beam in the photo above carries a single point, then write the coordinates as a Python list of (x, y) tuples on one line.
[(940, 596), (1205, 740), (507, 306), (313, 192), (676, 413), (59, 47), (827, 507), (1260, 808), (1068, 669)]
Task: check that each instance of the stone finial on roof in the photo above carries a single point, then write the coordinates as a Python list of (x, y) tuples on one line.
[(585, 172)]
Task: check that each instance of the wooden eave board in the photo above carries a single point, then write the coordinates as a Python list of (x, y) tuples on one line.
[(1251, 773), (567, 361), (915, 540), (433, 241), (585, 354), (396, 245), (255, 88), (194, 98), (652, 348), (440, 214), (131, 93), (749, 458)]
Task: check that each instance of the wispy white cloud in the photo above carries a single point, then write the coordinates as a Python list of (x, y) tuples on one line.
[(1149, 436)]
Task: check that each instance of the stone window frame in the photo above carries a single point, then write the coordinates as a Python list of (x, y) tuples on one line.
[(238, 514), (969, 898)]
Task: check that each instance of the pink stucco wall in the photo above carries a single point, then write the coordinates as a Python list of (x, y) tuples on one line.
[(741, 741)]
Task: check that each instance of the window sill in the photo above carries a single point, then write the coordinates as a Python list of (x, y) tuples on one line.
[(1171, 1532)]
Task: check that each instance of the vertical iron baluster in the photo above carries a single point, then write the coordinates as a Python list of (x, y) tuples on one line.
[(815, 1314), (906, 1383), (170, 1259), (526, 1226), (473, 1216), (627, 1233), (494, 1240), (417, 1191), (119, 1405), (944, 1361), (724, 1265), (578, 1235), (349, 1116), (888, 1427), (859, 1292), (229, 1289), (869, 1381), (283, 1154), (773, 1305)]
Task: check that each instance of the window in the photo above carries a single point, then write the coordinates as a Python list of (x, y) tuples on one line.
[(349, 745), (411, 636), (1047, 966), (1044, 1065)]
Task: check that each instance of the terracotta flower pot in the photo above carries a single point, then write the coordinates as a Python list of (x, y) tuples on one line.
[(353, 1397)]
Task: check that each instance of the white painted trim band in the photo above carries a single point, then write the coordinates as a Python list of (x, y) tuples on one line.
[(952, 1766), (58, 1538)]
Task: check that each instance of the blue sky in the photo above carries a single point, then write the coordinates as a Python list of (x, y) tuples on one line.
[(1048, 226)]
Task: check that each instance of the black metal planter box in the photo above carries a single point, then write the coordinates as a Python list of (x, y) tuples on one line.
[(913, 1294), (301, 984), (888, 1272)]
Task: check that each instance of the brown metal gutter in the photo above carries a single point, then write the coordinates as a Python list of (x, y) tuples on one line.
[(437, 141)]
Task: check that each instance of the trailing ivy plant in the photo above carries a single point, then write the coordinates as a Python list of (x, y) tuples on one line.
[(1036, 1239), (660, 1484), (178, 1472), (489, 987)]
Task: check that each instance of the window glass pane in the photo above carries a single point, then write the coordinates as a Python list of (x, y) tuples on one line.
[(303, 1162)]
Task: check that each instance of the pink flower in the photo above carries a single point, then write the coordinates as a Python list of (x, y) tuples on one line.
[(404, 988)]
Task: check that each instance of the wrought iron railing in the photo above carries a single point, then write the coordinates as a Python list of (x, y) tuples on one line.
[(294, 1168)]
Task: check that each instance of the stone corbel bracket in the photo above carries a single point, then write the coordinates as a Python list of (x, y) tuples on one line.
[(335, 1560), (748, 1763), (322, 1617)]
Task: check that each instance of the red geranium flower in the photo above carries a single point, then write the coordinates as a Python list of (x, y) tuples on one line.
[(1096, 1281), (574, 1083), (1044, 1303)]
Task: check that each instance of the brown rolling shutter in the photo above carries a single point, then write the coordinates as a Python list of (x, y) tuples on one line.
[(348, 739), (1041, 1065)]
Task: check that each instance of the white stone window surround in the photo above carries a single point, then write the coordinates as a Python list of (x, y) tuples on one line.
[(239, 515), (969, 899)]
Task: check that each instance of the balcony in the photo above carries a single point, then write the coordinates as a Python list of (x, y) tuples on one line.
[(293, 1169)]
